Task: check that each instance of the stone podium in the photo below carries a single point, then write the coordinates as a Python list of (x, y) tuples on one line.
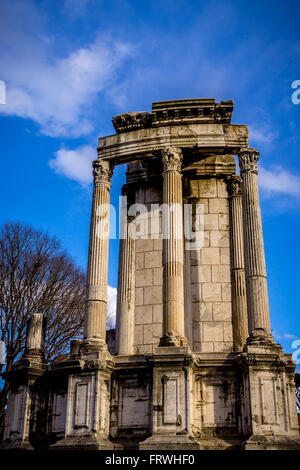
[(193, 365)]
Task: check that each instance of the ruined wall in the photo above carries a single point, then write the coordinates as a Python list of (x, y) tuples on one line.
[(210, 288), (149, 277)]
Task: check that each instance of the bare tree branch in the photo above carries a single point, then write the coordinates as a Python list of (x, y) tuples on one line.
[(37, 276)]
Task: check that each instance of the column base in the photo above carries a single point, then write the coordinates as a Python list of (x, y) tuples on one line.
[(261, 341), (177, 341), (90, 442), (17, 444), (169, 442), (257, 442), (89, 345)]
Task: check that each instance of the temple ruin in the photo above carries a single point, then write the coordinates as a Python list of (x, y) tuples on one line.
[(193, 364)]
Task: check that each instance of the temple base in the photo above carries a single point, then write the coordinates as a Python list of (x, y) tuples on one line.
[(170, 442), (11, 444), (91, 442), (175, 341), (272, 443)]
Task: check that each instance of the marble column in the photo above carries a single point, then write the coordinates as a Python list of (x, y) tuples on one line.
[(239, 292), (173, 284), (35, 336), (126, 288), (96, 301), (258, 304)]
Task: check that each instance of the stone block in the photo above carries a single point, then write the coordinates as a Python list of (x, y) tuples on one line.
[(138, 334), (222, 188), (226, 292), (220, 273), (157, 313), (144, 277), (196, 292), (201, 273), (195, 257), (143, 314), (225, 256), (158, 244), (211, 221), (196, 332), (222, 346), (194, 188), (153, 259), (219, 238), (223, 222), (213, 331), (143, 245), (139, 296), (228, 334), (196, 346), (208, 188), (139, 260), (155, 226), (206, 346), (218, 206), (210, 256), (202, 311), (204, 202), (221, 311), (211, 292), (158, 276), (153, 295), (152, 333), (146, 349)]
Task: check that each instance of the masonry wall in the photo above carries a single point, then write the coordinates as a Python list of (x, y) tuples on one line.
[(149, 276), (210, 288), (208, 309)]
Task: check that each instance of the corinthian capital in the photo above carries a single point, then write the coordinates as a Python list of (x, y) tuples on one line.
[(172, 159), (234, 185), (102, 172), (248, 160)]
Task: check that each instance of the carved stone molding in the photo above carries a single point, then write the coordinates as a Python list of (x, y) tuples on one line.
[(172, 159), (248, 158), (234, 185), (102, 172), (127, 122)]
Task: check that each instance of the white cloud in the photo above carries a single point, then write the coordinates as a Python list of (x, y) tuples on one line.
[(111, 306), (279, 181), (75, 164), (261, 135), (289, 336), (55, 87)]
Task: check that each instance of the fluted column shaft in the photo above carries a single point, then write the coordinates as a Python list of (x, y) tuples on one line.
[(239, 292), (96, 300), (126, 290), (173, 310), (258, 304)]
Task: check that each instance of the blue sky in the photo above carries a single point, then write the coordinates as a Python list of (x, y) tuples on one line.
[(70, 65)]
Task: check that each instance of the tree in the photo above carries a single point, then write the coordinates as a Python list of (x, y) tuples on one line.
[(37, 276)]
